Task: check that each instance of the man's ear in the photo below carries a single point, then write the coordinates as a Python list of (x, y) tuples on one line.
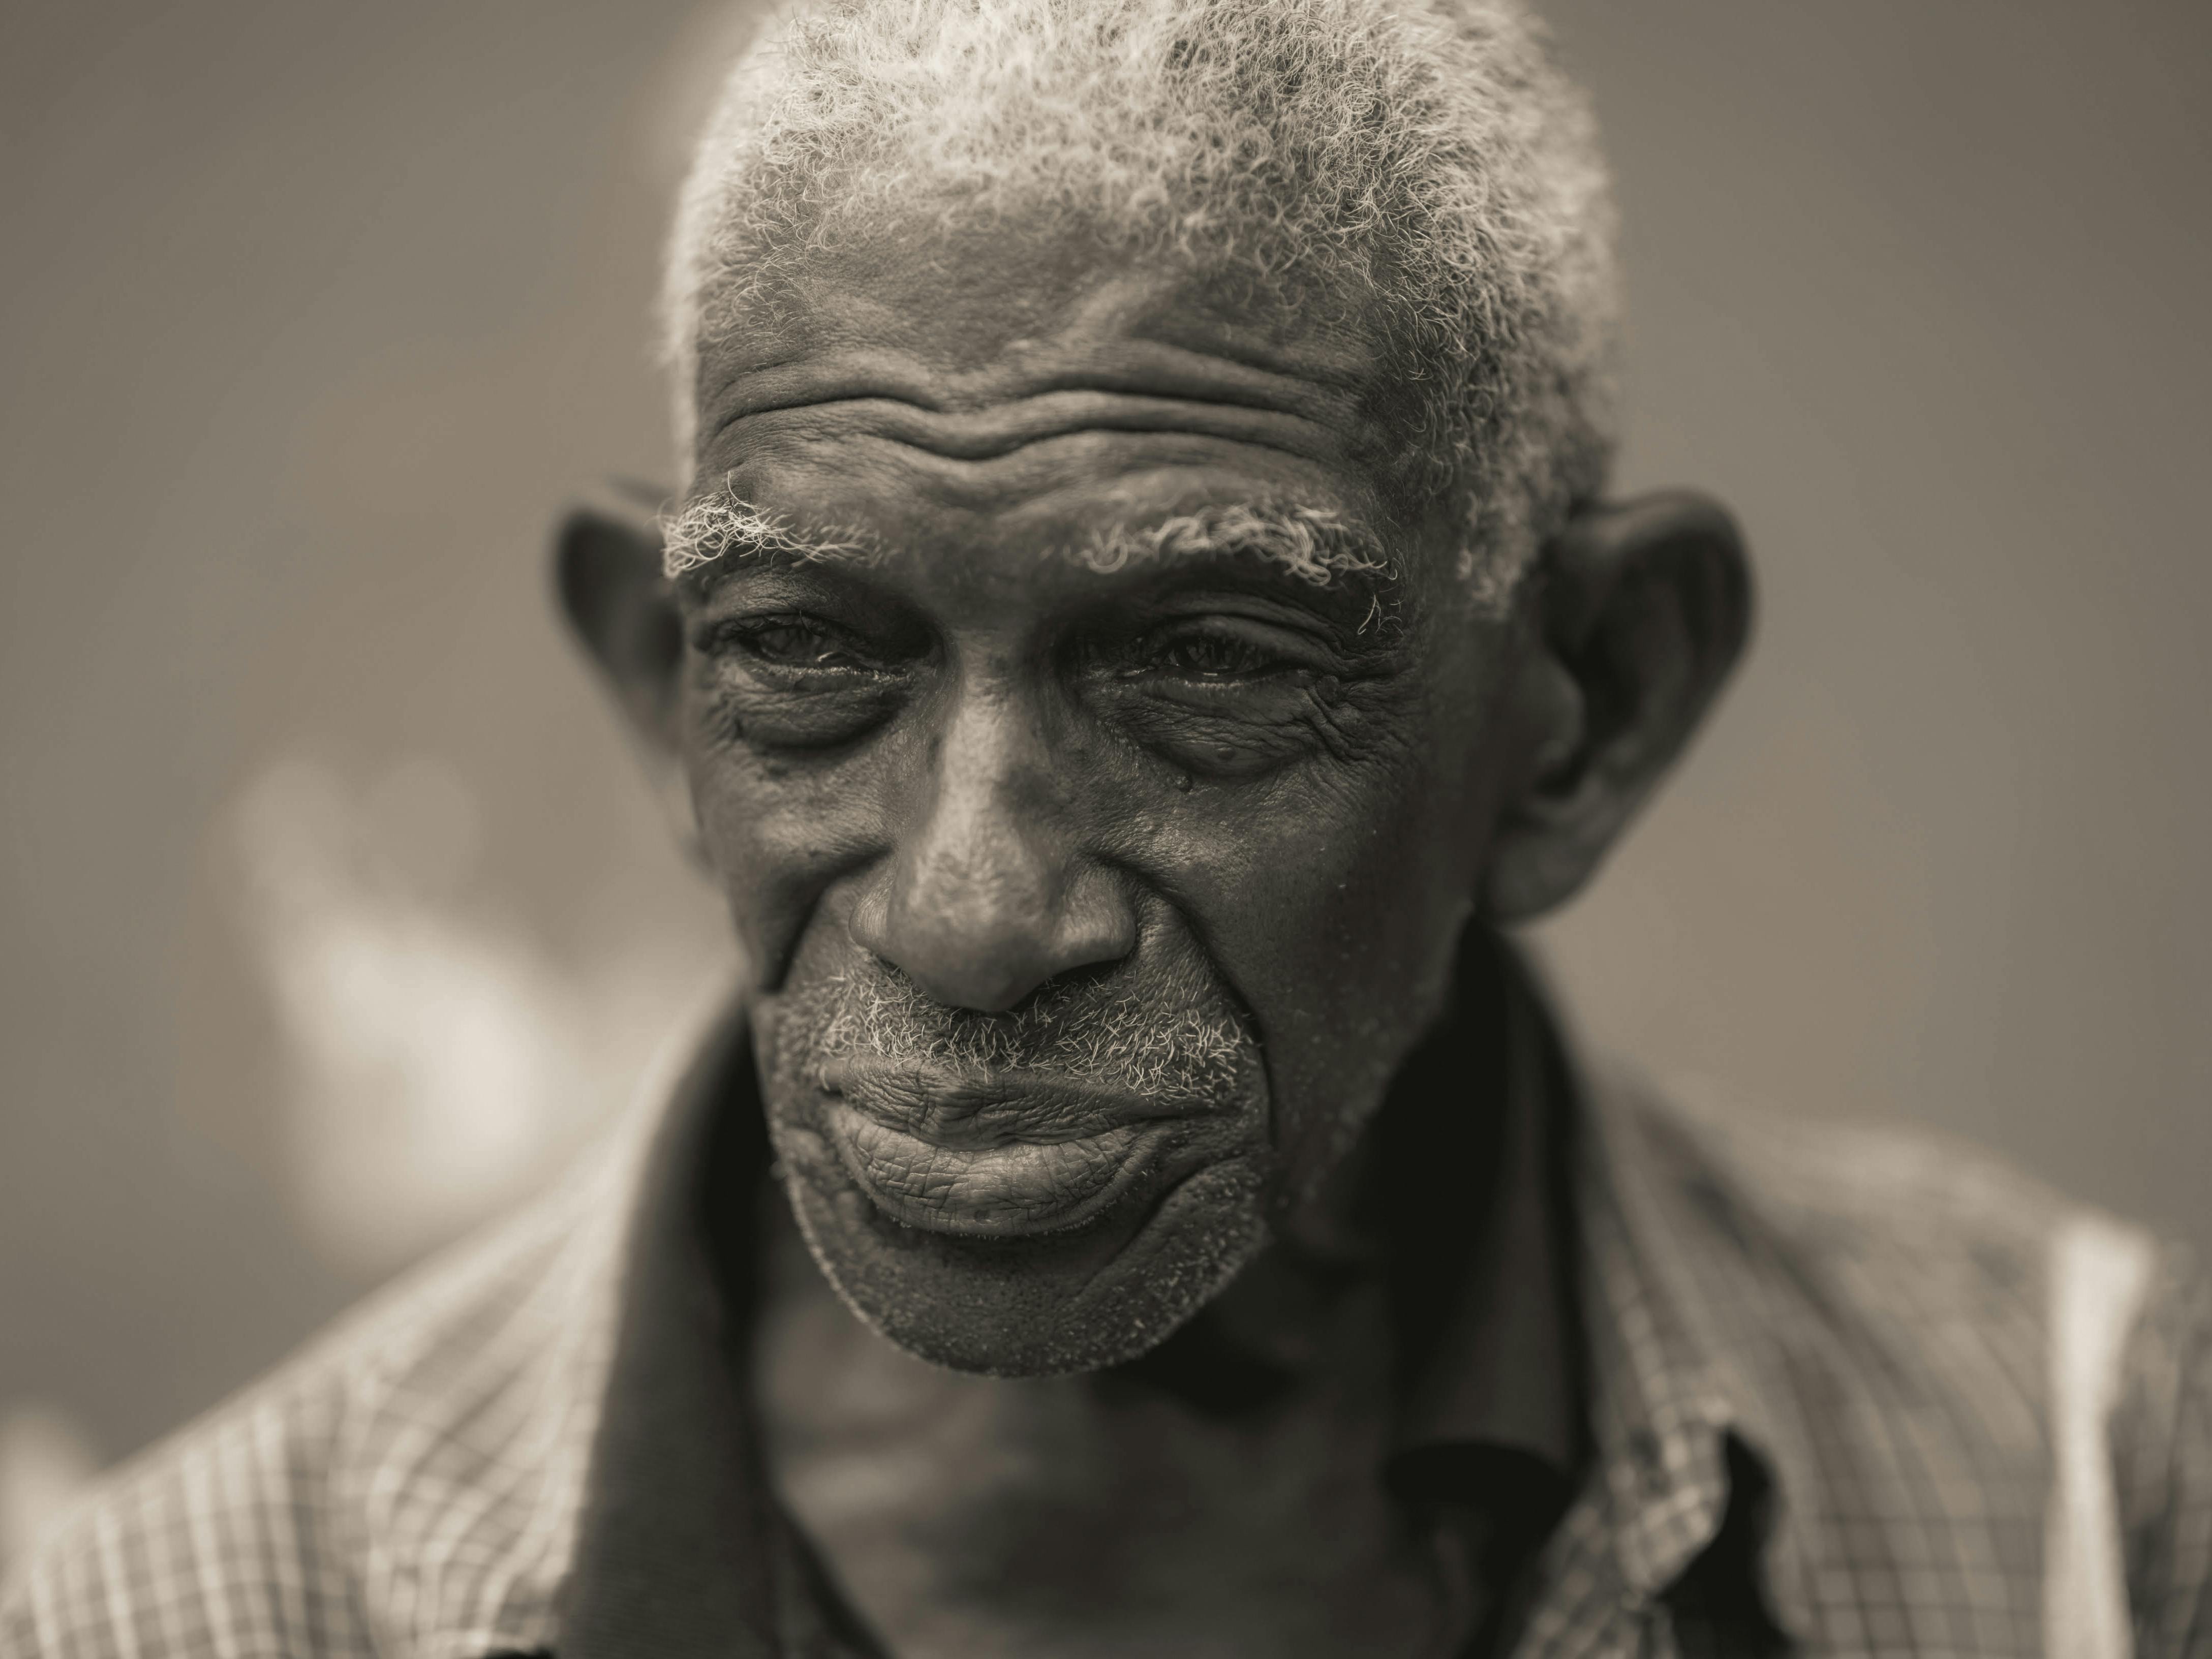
[(607, 569), (1642, 608)]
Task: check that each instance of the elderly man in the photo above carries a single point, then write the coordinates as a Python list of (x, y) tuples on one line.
[(1141, 617)]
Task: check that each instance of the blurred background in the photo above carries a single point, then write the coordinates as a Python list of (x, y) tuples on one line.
[(332, 913)]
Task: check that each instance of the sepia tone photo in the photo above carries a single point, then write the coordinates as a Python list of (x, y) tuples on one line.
[(911, 829)]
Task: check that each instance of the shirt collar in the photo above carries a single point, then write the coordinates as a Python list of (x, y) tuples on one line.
[(676, 1540), (1472, 1153), (1681, 1434)]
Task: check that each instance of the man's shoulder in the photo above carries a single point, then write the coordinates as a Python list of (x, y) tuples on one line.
[(1879, 1263), (1863, 1193), (1872, 1231), (451, 1407), (1918, 1335)]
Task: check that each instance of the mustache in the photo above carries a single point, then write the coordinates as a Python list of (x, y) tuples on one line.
[(1183, 1041)]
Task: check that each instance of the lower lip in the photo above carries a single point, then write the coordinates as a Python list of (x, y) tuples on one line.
[(1011, 1191)]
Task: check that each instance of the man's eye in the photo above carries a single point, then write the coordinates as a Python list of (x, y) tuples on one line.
[(797, 644), (1209, 656), (798, 682)]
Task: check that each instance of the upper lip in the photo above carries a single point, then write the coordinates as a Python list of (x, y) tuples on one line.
[(969, 1111)]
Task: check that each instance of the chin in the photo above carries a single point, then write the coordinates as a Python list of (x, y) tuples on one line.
[(1036, 1302)]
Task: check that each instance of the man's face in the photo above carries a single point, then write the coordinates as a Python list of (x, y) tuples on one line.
[(1099, 863)]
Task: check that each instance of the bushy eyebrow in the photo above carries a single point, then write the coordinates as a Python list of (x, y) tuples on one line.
[(720, 525), (1316, 545)]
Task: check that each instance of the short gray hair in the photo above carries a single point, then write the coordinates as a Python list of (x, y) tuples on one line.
[(1424, 152)]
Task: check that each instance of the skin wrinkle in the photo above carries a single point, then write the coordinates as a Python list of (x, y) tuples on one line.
[(1095, 901), (1243, 831), (937, 1180), (1087, 714), (1065, 385), (1418, 159), (1308, 384), (978, 438), (984, 440)]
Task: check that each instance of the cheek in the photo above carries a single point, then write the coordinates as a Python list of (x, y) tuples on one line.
[(1332, 901), (778, 834)]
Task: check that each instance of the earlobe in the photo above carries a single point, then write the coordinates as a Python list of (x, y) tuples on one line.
[(1643, 608)]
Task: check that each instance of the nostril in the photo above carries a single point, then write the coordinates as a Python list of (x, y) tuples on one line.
[(1089, 973), (982, 980), (1068, 981)]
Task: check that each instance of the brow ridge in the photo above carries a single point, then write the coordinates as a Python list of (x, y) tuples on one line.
[(1316, 544)]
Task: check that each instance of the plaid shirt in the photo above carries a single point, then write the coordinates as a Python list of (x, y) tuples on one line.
[(1851, 1393)]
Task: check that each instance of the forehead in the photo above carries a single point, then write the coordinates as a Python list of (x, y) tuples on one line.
[(995, 385)]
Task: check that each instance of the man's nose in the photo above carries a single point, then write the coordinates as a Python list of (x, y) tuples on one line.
[(987, 894)]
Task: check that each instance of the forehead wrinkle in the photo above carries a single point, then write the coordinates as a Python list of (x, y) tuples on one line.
[(1146, 337), (987, 410), (1310, 383), (935, 440), (812, 463), (984, 433)]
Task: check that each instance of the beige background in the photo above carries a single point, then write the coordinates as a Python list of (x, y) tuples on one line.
[(331, 913)]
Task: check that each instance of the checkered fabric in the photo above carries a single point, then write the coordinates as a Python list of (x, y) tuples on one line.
[(1822, 1366)]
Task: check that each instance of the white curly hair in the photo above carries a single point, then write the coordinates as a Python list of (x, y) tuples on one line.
[(1421, 158)]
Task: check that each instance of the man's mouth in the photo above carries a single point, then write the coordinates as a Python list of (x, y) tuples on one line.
[(1000, 1157)]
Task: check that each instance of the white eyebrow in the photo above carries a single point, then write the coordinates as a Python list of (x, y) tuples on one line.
[(1316, 545), (721, 522)]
